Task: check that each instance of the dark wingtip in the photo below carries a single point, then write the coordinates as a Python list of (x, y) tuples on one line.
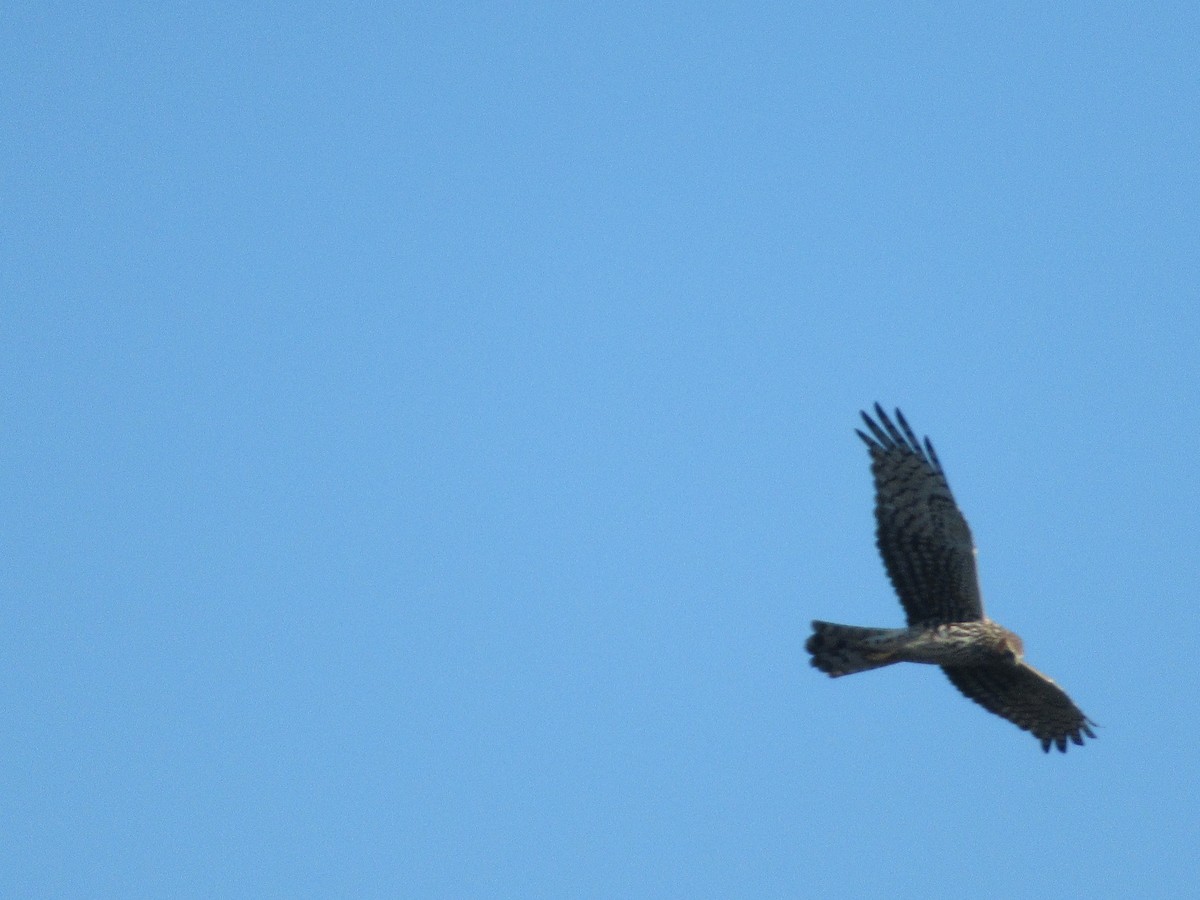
[(881, 438), (886, 435), (932, 454), (1074, 737)]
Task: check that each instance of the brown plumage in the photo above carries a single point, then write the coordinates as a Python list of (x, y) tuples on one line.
[(929, 555)]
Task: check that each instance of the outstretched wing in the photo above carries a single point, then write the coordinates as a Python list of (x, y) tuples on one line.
[(1027, 698), (923, 538)]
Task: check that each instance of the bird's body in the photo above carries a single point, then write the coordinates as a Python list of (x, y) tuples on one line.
[(930, 558), (845, 649)]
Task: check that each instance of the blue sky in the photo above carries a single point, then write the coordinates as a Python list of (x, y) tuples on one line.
[(429, 433)]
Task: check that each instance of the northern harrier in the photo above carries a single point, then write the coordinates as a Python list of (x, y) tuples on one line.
[(930, 559)]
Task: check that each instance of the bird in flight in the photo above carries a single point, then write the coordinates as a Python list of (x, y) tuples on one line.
[(929, 555)]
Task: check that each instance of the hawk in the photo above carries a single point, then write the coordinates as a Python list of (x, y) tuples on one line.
[(930, 559)]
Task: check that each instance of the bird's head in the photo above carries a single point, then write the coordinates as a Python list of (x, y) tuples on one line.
[(1014, 649)]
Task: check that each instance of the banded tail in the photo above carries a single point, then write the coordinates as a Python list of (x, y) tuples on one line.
[(845, 649)]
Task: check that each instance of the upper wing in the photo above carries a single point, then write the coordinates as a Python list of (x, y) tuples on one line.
[(1027, 698), (923, 538)]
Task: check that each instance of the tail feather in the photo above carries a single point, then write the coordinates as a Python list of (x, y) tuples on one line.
[(845, 649)]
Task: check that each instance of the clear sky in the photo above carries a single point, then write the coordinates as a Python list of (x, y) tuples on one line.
[(428, 433)]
